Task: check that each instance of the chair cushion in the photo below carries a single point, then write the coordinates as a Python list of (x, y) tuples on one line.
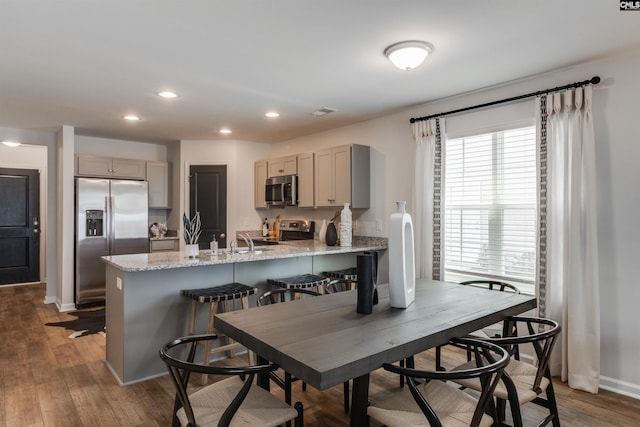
[(521, 373), (219, 293), (453, 407), (260, 408)]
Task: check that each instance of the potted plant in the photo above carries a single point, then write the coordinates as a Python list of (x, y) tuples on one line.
[(191, 229)]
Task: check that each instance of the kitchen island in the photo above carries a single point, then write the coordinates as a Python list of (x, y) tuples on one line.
[(144, 308)]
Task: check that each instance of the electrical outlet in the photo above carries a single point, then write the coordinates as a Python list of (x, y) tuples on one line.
[(378, 225)]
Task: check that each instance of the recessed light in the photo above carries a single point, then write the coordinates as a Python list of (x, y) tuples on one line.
[(11, 143), (272, 114), (225, 131), (131, 118), (167, 94)]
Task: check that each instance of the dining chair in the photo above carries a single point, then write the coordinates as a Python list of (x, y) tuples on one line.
[(524, 382), (341, 285), (282, 295), (231, 400), (279, 296), (431, 399), (494, 330)]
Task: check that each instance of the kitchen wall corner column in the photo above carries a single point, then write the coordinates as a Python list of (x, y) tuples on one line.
[(65, 220)]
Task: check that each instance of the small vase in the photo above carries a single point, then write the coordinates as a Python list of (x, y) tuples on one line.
[(191, 251), (332, 234), (322, 234), (345, 226)]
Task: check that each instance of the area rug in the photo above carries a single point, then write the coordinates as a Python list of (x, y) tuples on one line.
[(87, 322)]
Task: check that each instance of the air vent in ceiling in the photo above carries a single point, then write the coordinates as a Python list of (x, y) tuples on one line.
[(323, 111)]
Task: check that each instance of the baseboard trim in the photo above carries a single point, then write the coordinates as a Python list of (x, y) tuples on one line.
[(49, 299), (65, 307), (621, 387)]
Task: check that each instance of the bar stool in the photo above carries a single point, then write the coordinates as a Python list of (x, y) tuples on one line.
[(214, 296), (349, 275), (302, 281)]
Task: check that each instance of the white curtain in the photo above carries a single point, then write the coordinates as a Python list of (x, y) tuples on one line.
[(568, 285), (428, 187)]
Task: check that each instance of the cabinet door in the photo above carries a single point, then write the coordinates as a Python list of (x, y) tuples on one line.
[(125, 168), (93, 166), (260, 176), (341, 157), (280, 166), (290, 165), (323, 174), (158, 178), (305, 180)]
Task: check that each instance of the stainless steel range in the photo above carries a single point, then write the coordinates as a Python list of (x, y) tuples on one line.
[(291, 229)]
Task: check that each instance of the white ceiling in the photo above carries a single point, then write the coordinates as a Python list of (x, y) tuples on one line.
[(86, 63)]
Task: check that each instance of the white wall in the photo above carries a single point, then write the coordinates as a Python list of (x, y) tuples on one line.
[(618, 157), (120, 148)]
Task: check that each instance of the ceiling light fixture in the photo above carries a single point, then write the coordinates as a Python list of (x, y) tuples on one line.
[(167, 94), (12, 144), (323, 111), (225, 131), (408, 55), (131, 118), (272, 114)]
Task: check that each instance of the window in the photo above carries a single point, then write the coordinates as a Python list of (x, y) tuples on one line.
[(490, 209)]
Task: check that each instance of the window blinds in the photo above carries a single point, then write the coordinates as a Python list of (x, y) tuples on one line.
[(490, 205)]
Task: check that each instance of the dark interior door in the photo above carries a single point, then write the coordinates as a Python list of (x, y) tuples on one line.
[(208, 195), (19, 226)]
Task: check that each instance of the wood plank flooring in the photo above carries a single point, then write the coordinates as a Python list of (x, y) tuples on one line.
[(48, 379)]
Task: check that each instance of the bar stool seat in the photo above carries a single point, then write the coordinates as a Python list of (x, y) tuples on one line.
[(301, 281), (349, 275), (217, 297)]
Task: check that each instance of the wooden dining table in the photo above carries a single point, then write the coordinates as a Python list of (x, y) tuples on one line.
[(325, 342)]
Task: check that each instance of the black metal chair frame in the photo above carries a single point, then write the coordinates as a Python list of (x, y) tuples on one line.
[(277, 296), (180, 370), (543, 342), (489, 370), (490, 284)]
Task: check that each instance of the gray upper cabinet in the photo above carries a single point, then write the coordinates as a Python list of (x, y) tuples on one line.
[(343, 175), (260, 176), (305, 180), (158, 174), (106, 167), (283, 166)]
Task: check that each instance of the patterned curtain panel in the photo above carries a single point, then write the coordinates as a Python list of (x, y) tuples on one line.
[(568, 286), (428, 186)]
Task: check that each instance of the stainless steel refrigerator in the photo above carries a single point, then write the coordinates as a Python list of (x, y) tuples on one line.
[(111, 219)]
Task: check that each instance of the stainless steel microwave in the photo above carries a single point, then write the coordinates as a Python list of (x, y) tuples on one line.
[(281, 191)]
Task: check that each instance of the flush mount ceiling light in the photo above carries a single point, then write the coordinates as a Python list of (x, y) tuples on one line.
[(131, 118), (225, 131), (409, 54), (167, 94), (11, 143)]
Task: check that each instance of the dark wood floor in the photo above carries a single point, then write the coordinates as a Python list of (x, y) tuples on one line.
[(48, 379)]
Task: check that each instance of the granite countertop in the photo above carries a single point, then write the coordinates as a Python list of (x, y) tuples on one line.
[(170, 260)]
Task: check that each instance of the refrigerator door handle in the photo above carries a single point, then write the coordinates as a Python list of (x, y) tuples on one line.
[(109, 210)]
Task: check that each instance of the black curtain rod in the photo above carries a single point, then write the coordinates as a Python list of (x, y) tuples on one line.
[(594, 80)]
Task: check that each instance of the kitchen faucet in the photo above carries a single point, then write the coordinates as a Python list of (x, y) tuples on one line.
[(249, 241)]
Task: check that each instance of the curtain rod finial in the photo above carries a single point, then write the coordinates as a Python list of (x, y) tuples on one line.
[(595, 80)]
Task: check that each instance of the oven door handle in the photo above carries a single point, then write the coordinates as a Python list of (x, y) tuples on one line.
[(282, 194)]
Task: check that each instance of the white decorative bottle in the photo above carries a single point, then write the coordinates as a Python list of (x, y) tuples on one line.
[(345, 226), (322, 234), (402, 277)]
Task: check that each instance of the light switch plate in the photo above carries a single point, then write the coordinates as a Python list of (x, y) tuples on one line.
[(119, 283)]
